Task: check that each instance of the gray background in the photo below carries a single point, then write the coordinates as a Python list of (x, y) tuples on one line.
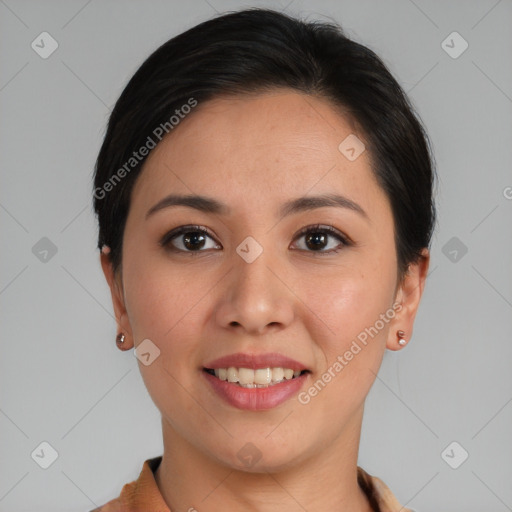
[(62, 379)]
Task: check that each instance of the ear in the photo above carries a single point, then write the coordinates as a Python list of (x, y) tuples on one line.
[(408, 295), (116, 289)]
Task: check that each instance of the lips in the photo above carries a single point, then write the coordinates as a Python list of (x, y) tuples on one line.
[(255, 381)]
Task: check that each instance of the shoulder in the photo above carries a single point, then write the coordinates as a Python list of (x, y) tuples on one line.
[(112, 506), (117, 504), (140, 492)]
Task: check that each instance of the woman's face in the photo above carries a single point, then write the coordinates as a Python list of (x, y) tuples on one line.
[(253, 287)]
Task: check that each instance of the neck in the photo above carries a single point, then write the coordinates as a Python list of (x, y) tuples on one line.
[(190, 480)]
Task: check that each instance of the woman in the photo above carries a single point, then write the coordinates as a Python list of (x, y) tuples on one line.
[(264, 196)]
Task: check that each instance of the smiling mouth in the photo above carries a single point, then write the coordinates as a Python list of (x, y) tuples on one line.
[(259, 378)]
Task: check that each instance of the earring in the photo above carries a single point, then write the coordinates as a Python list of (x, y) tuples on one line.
[(401, 340), (120, 341)]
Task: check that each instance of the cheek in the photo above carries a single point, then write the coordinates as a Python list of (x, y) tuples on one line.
[(352, 334), (163, 304), (158, 294), (351, 338), (349, 301)]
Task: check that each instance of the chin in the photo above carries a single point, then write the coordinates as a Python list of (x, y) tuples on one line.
[(255, 457)]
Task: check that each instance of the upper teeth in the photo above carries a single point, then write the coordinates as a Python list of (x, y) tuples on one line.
[(262, 377)]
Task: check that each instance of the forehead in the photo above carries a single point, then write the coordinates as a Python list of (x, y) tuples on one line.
[(271, 145)]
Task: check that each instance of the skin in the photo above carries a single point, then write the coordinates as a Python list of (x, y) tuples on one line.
[(254, 153)]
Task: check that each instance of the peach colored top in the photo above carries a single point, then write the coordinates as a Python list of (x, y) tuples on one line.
[(143, 495)]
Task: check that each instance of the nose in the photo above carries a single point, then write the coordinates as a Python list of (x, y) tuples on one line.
[(255, 297)]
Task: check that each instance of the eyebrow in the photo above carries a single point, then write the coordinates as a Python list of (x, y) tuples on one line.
[(210, 205)]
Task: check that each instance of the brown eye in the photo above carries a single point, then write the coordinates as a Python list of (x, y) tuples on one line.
[(317, 238), (188, 239)]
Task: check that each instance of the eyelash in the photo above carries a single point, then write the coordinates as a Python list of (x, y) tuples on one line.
[(175, 233)]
